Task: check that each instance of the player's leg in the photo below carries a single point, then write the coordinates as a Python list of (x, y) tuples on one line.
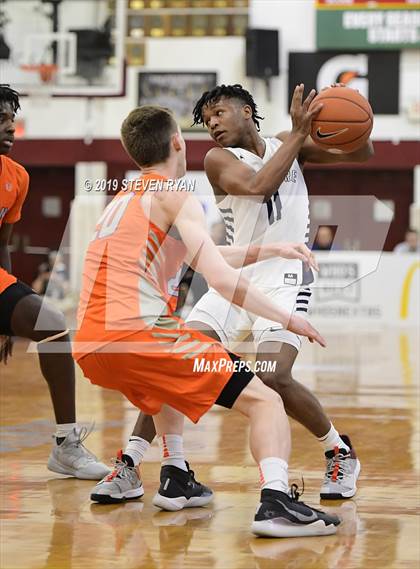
[(144, 430), (178, 487), (302, 405), (111, 490), (280, 514), (68, 455)]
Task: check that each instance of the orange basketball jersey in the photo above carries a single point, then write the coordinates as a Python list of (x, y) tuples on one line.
[(131, 273), (14, 182)]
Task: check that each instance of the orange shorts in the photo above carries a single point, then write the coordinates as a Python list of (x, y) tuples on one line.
[(6, 279), (156, 366)]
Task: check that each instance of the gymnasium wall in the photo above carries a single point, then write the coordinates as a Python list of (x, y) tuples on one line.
[(101, 118), (63, 132)]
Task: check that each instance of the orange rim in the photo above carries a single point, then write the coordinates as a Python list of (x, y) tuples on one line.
[(46, 71)]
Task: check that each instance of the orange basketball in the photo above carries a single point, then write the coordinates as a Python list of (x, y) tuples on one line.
[(344, 122)]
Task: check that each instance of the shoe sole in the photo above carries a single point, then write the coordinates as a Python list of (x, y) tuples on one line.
[(117, 498), (175, 504), (344, 495), (55, 466), (280, 528)]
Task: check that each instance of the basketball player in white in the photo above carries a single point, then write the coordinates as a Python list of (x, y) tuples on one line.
[(262, 195)]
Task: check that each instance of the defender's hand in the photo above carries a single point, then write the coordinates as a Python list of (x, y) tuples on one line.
[(302, 327), (297, 251)]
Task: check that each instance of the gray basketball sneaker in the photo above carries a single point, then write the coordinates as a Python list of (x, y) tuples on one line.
[(122, 484), (72, 458), (343, 468)]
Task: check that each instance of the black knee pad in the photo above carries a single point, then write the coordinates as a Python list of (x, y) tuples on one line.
[(8, 300)]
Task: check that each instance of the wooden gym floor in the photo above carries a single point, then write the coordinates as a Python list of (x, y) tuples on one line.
[(368, 382)]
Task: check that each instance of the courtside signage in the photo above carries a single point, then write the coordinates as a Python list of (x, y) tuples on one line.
[(376, 75), (363, 24)]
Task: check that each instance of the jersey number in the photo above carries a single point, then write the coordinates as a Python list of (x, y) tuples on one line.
[(111, 217), (274, 208)]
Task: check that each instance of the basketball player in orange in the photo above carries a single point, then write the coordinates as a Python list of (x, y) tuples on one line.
[(129, 339), (21, 309)]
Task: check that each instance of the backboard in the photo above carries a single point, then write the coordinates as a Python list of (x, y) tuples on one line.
[(63, 47)]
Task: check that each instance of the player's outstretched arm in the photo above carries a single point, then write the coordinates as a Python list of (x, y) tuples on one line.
[(205, 257), (230, 176)]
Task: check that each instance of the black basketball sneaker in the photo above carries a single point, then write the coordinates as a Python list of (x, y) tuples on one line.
[(179, 489), (281, 515)]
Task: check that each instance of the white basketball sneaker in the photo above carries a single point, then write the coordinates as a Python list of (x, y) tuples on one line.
[(72, 458), (123, 483), (343, 469)]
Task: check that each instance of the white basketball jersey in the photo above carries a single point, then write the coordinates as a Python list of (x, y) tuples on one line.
[(285, 217)]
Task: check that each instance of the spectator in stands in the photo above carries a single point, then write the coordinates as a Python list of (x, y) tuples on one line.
[(411, 243), (324, 238), (52, 280)]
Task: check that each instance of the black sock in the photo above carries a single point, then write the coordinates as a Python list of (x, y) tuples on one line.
[(128, 460), (59, 440)]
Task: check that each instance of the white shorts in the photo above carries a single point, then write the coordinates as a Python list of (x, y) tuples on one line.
[(234, 324)]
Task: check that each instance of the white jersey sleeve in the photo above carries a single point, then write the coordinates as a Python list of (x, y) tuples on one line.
[(284, 217)]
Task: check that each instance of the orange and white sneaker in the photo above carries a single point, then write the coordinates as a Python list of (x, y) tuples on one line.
[(123, 483), (343, 469)]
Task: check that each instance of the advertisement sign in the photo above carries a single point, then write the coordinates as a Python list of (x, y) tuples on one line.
[(363, 24), (374, 75), (389, 294)]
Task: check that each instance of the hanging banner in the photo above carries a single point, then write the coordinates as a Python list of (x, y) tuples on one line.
[(363, 24), (376, 75)]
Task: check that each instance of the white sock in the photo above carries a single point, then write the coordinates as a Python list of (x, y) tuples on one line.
[(64, 429), (332, 439), (273, 474), (136, 449), (172, 447)]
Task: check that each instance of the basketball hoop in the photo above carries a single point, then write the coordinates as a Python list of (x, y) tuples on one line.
[(41, 81), (46, 71)]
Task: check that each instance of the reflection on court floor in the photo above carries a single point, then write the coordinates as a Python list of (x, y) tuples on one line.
[(369, 383)]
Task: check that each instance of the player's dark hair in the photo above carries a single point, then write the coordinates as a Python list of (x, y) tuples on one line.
[(230, 92), (9, 95), (146, 134)]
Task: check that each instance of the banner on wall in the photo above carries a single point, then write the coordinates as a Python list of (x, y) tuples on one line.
[(389, 294), (178, 91), (363, 24), (375, 75)]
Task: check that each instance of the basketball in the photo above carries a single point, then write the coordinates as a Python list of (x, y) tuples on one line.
[(345, 121)]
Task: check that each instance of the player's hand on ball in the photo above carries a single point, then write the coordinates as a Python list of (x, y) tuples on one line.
[(297, 251), (302, 327), (300, 113), (6, 348)]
